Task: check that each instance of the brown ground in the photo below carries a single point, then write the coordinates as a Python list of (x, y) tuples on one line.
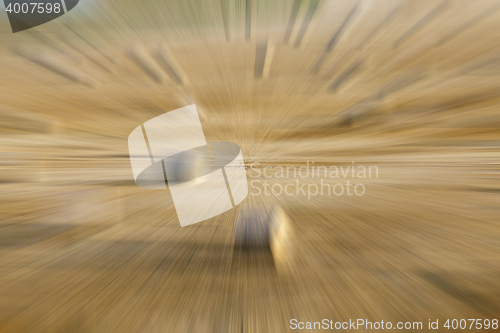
[(414, 91)]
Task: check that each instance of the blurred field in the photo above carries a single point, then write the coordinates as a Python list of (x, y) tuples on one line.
[(412, 87)]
